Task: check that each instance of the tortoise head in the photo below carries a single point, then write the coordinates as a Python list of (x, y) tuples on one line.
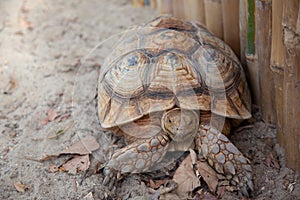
[(180, 124)]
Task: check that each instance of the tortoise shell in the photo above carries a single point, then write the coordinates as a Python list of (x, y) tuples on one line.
[(170, 63)]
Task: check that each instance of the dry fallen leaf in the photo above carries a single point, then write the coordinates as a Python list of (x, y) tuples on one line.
[(84, 146), (12, 85), (76, 164), (168, 196), (47, 157), (167, 187), (63, 116), (20, 187), (185, 177), (25, 24), (270, 161), (51, 115), (53, 168), (157, 183), (208, 174)]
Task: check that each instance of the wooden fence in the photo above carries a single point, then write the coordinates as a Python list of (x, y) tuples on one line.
[(265, 34)]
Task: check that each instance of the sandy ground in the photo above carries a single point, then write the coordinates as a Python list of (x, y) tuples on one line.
[(41, 45)]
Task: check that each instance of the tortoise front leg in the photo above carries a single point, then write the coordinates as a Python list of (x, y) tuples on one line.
[(225, 158), (136, 157)]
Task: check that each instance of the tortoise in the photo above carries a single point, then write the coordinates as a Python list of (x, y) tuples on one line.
[(169, 81)]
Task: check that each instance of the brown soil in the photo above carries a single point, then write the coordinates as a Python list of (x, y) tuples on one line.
[(43, 68)]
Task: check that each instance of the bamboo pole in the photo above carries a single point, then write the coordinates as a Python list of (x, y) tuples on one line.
[(263, 32), (278, 65), (194, 10), (230, 10), (164, 6), (153, 4), (291, 87), (248, 51), (243, 30), (178, 10), (213, 17), (138, 3)]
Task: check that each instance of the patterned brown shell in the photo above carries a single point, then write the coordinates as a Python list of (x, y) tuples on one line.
[(166, 63)]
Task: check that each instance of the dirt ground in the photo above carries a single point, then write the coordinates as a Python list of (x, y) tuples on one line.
[(48, 82)]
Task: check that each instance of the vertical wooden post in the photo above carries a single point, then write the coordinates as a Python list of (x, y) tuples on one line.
[(243, 30), (178, 9), (248, 51), (278, 65), (153, 4), (263, 33), (164, 6), (291, 87), (194, 10), (138, 3), (213, 17), (231, 33)]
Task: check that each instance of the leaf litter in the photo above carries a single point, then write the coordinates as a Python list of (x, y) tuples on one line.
[(54, 115), (271, 161), (82, 147), (208, 174), (185, 177), (188, 175), (77, 163), (79, 160), (20, 187)]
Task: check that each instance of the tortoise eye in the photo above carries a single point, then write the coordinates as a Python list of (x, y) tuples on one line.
[(170, 121)]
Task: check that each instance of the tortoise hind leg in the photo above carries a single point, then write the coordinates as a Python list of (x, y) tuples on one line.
[(225, 158), (136, 157)]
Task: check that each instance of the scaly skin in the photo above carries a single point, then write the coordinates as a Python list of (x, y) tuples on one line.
[(177, 124), (225, 158), (136, 157)]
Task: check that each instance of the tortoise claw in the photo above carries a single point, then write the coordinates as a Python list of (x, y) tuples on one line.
[(246, 186), (110, 177), (244, 191), (250, 185)]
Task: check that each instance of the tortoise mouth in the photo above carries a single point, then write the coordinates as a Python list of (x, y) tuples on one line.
[(180, 124)]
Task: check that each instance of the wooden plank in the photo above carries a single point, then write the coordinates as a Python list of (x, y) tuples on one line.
[(263, 32), (230, 10), (213, 17), (243, 30), (165, 6), (277, 65), (291, 87), (153, 4), (251, 56), (248, 54), (194, 10), (178, 10), (253, 79), (138, 3)]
